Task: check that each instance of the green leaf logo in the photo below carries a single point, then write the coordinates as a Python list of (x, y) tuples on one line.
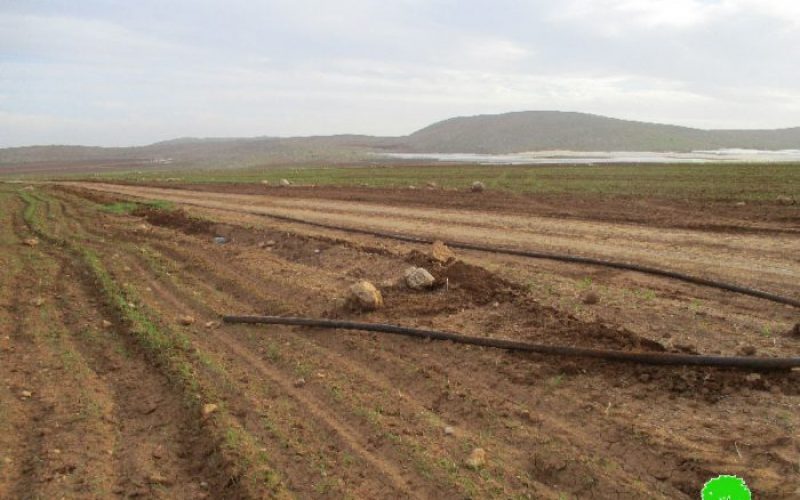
[(726, 488)]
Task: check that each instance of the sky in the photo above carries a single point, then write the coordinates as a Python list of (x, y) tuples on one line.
[(127, 72)]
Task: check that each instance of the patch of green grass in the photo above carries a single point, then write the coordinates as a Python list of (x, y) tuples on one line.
[(127, 207), (708, 181)]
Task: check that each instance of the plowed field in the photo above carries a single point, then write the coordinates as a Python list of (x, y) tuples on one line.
[(117, 378)]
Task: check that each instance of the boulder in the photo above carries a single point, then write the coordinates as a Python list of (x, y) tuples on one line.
[(418, 278), (441, 252), (285, 182), (365, 296), (478, 187)]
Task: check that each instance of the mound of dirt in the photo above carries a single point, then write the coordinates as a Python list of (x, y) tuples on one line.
[(176, 219)]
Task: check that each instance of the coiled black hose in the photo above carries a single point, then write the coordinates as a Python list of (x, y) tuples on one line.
[(744, 362)]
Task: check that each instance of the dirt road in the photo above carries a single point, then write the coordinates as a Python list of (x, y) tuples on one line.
[(251, 412)]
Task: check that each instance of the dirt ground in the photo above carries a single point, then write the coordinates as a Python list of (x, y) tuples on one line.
[(119, 381)]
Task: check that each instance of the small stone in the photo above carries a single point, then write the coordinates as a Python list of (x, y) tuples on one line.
[(590, 298), (476, 459), (25, 394), (7, 460), (31, 242), (478, 187), (495, 304), (209, 408), (220, 240), (186, 320), (285, 182), (211, 324), (740, 204), (158, 478), (143, 227), (365, 296), (449, 431), (418, 278), (265, 182), (441, 252), (38, 302), (106, 324), (753, 377), (300, 382), (431, 184), (261, 244), (784, 200), (271, 243)]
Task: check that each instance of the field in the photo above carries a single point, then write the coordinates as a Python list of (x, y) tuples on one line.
[(119, 380)]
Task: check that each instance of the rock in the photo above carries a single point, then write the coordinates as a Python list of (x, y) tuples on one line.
[(753, 377), (31, 242), (271, 243), (441, 252), (211, 324), (418, 278), (740, 204), (431, 184), (476, 459), (285, 182), (784, 200), (265, 182), (590, 298), (365, 296), (38, 302), (186, 320), (300, 382), (449, 431), (157, 478), (209, 408), (25, 394), (747, 350), (220, 240), (478, 187), (106, 323)]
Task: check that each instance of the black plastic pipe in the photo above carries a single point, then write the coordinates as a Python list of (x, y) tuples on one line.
[(731, 287), (745, 362)]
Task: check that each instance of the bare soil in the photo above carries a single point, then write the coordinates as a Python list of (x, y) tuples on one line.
[(336, 414)]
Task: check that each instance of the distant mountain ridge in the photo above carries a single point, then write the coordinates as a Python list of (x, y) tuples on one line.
[(514, 132)]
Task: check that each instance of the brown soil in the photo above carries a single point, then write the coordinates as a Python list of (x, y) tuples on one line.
[(367, 419)]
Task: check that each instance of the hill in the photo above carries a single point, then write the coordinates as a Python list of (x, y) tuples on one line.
[(555, 130)]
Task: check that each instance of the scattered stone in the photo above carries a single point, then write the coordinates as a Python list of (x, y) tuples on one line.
[(495, 304), (220, 240), (740, 204), (590, 298), (25, 394), (747, 350), (285, 182), (441, 252), (31, 242), (476, 459), (412, 187), (431, 184), (143, 227), (209, 408), (106, 323), (265, 182), (449, 431), (261, 244), (418, 278), (366, 296), (7, 460), (478, 187), (38, 302), (271, 243), (186, 320), (211, 324), (753, 377), (300, 382), (157, 478), (784, 200)]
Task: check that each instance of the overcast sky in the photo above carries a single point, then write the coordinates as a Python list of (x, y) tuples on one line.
[(133, 72)]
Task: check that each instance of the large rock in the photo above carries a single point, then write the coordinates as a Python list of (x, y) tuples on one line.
[(418, 278), (476, 459), (478, 187), (285, 182), (365, 296), (441, 252)]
